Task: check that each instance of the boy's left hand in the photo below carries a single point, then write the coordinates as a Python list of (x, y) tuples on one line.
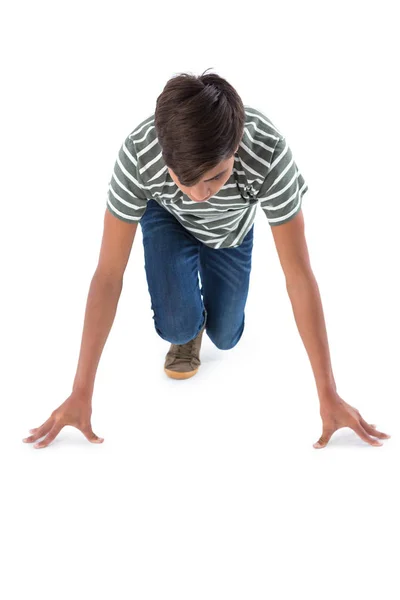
[(336, 413)]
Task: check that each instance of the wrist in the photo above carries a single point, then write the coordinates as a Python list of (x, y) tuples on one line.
[(83, 389), (327, 391), (328, 395)]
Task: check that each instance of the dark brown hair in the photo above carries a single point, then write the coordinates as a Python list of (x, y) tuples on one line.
[(199, 123)]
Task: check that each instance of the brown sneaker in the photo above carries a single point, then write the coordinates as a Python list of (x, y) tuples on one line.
[(183, 361)]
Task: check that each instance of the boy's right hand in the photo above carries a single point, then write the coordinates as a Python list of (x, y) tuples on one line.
[(75, 411)]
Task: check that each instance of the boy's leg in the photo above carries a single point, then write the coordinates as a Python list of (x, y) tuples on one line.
[(172, 264), (225, 276)]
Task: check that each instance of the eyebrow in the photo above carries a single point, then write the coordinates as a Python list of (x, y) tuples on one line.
[(222, 172)]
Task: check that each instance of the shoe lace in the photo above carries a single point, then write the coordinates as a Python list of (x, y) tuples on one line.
[(184, 350)]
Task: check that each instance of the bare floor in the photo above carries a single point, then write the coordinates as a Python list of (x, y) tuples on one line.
[(207, 488)]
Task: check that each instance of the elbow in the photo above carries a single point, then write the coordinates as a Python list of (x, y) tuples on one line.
[(108, 278), (300, 276)]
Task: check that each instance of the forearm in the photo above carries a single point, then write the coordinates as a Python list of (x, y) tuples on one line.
[(308, 312), (100, 312)]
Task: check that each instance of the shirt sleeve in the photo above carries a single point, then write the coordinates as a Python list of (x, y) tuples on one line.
[(126, 197), (281, 192)]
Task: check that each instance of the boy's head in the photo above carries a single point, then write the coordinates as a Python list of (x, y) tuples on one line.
[(199, 123)]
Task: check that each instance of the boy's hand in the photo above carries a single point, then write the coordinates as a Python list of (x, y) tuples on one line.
[(75, 411), (336, 413)]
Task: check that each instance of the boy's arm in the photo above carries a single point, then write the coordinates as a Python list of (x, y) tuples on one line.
[(104, 292), (306, 302)]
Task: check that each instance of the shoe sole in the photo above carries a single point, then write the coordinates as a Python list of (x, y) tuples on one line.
[(178, 375)]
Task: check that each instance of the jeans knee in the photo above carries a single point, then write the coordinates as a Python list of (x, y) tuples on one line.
[(225, 340), (222, 342)]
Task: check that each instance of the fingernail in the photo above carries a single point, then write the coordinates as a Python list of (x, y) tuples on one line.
[(387, 435), (36, 446), (378, 444)]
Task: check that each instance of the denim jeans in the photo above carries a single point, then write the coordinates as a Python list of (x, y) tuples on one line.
[(174, 259)]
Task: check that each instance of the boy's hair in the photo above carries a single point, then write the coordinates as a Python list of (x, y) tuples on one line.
[(199, 123)]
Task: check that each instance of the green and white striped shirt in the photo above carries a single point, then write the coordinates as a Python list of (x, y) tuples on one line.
[(264, 173)]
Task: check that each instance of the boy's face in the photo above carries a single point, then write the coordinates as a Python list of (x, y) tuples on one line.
[(208, 186)]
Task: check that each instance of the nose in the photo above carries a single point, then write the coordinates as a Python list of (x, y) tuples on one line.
[(199, 196)]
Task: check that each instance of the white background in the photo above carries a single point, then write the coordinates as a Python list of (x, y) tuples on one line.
[(208, 488)]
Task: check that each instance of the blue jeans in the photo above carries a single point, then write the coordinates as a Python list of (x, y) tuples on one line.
[(174, 259)]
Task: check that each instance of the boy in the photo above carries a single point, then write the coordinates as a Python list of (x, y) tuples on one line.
[(193, 175)]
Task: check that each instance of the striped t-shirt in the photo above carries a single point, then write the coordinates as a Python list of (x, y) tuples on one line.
[(264, 173)]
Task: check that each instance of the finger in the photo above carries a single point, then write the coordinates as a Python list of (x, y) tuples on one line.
[(359, 429), (324, 439), (39, 433), (91, 436), (49, 437), (49, 420), (373, 431)]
